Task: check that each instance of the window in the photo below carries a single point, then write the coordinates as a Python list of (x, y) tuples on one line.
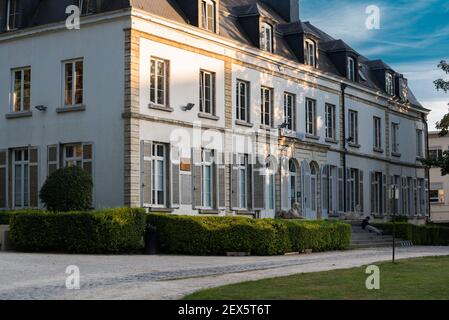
[(73, 83), (266, 37), (389, 85), (289, 111), (310, 54), (242, 169), (20, 178), (353, 127), (311, 121), (331, 122), (21, 90), (207, 92), (437, 194), (351, 69), (377, 133), (158, 82), (419, 143), (269, 188), (76, 154), (354, 190), (266, 106), (394, 138), (242, 101), (436, 154), (207, 177), (208, 21), (12, 14), (158, 166), (377, 193), (293, 182)]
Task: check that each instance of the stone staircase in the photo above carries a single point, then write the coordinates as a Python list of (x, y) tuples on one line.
[(362, 239)]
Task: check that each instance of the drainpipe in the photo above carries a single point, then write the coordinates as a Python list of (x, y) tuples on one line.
[(345, 150), (426, 125)]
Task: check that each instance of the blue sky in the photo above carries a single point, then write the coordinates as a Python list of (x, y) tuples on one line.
[(413, 38)]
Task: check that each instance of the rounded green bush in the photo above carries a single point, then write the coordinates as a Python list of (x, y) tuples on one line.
[(68, 189)]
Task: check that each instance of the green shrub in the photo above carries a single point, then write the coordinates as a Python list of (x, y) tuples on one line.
[(100, 232), (5, 216), (318, 235), (218, 235), (68, 189), (426, 235)]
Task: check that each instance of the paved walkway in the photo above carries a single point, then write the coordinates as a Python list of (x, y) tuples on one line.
[(42, 276)]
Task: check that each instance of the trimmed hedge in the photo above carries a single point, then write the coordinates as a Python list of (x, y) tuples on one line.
[(107, 231), (426, 235), (194, 235), (5, 216)]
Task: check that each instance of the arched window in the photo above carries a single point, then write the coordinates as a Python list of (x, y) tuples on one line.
[(310, 54)]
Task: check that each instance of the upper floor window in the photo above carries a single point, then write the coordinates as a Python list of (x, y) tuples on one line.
[(208, 11), (351, 69), (158, 82), (73, 82), (289, 111), (353, 127), (435, 153), (310, 54), (242, 101), (12, 14), (389, 85), (377, 133), (311, 117), (266, 37), (419, 143), (21, 90), (207, 92), (266, 106), (331, 122), (395, 138)]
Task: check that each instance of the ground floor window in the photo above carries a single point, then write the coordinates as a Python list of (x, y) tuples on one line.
[(293, 181), (20, 179), (437, 194), (378, 193), (207, 177), (354, 196)]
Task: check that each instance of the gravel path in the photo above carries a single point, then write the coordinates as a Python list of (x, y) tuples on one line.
[(42, 276)]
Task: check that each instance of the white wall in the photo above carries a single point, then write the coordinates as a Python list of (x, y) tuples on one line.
[(102, 48)]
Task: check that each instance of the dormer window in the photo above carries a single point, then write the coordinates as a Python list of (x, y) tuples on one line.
[(310, 54), (351, 69), (389, 84), (266, 37), (12, 14), (208, 11)]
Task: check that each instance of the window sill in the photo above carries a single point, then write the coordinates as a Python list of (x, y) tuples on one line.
[(67, 109), (312, 137), (162, 210), (160, 108), (241, 212), (396, 154), (420, 158), (22, 114), (208, 116), (244, 123), (208, 211), (333, 141), (378, 150), (354, 145), (265, 127)]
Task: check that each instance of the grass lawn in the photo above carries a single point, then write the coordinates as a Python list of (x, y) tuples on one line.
[(415, 279)]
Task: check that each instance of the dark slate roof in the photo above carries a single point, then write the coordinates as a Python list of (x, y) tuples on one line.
[(49, 11)]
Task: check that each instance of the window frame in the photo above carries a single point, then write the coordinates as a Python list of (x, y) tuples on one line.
[(266, 109), (155, 159), (331, 130), (394, 138), (290, 116), (351, 69), (22, 107), (206, 20), (377, 133), (419, 143), (311, 123), (24, 164), (207, 165), (10, 14), (73, 63), (242, 169), (212, 89), (310, 53), (154, 78), (246, 98), (389, 83), (353, 124), (266, 37)]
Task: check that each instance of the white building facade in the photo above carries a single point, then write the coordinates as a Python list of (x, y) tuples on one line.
[(206, 107)]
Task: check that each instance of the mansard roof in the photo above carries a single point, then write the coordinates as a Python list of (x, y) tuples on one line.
[(40, 12)]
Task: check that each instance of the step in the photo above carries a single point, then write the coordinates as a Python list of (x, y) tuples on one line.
[(356, 246)]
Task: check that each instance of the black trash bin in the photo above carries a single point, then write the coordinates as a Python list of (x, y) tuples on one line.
[(151, 240)]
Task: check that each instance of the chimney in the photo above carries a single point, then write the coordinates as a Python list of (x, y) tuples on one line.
[(287, 9)]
